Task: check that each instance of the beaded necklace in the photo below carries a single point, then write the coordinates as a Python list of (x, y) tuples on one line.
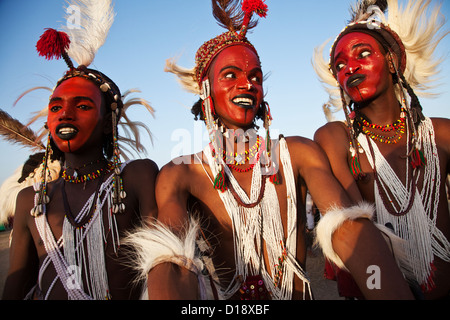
[(398, 127), (235, 158), (75, 178)]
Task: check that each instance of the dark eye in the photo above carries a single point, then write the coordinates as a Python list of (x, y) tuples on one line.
[(55, 108), (84, 107)]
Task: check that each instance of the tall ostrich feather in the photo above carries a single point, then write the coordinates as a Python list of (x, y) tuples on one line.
[(95, 19)]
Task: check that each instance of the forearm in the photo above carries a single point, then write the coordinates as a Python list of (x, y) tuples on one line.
[(168, 262), (351, 240), (368, 258), (168, 281)]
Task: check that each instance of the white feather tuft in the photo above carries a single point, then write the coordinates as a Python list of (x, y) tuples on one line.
[(95, 19), (156, 243), (333, 220), (185, 76), (419, 26)]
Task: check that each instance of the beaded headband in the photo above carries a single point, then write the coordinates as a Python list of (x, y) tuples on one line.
[(210, 49)]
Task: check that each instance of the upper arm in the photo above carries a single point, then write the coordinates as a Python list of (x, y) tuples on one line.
[(141, 177), (334, 141), (172, 194), (23, 260), (313, 166), (442, 133)]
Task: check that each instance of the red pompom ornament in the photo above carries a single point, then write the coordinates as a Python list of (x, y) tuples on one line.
[(250, 6), (53, 44)]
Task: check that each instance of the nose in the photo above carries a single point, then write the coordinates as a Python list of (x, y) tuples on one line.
[(67, 113), (351, 69), (245, 84)]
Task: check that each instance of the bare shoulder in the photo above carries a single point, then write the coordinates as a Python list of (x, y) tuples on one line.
[(331, 131), (177, 172), (442, 133), (25, 197), (305, 153), (24, 204), (299, 144), (441, 127), (141, 167)]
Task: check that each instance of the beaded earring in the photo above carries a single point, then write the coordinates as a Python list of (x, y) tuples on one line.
[(41, 198), (416, 154), (355, 149), (118, 192)]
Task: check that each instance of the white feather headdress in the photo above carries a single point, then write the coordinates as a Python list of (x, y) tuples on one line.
[(95, 19), (419, 28)]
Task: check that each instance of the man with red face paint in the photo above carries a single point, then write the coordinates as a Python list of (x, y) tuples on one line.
[(398, 159), (231, 219), (67, 234)]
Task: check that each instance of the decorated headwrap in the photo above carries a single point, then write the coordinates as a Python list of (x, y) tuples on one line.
[(410, 36), (234, 17), (80, 43)]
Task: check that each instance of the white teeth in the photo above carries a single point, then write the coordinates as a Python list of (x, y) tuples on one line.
[(245, 101), (66, 130)]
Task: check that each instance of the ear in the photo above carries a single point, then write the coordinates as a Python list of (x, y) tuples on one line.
[(392, 60)]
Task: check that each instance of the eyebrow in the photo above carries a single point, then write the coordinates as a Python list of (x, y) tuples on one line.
[(75, 98), (239, 69)]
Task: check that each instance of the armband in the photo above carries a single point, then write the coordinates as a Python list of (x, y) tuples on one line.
[(156, 243), (333, 220)]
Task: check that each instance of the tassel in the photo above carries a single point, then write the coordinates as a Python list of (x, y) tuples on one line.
[(417, 158), (257, 6), (249, 7), (52, 44), (356, 168), (429, 284), (275, 179), (219, 181)]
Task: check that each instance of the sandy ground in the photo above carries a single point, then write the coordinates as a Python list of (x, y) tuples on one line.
[(323, 289)]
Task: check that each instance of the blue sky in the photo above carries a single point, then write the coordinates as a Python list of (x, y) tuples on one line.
[(147, 32)]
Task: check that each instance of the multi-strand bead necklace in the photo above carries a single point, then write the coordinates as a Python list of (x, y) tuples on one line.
[(77, 178), (398, 127), (234, 159)]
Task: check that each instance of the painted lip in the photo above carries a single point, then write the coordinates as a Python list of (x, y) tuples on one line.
[(355, 80), (244, 101), (66, 131)]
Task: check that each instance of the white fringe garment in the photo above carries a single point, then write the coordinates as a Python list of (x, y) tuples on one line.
[(247, 229), (79, 255), (418, 225)]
